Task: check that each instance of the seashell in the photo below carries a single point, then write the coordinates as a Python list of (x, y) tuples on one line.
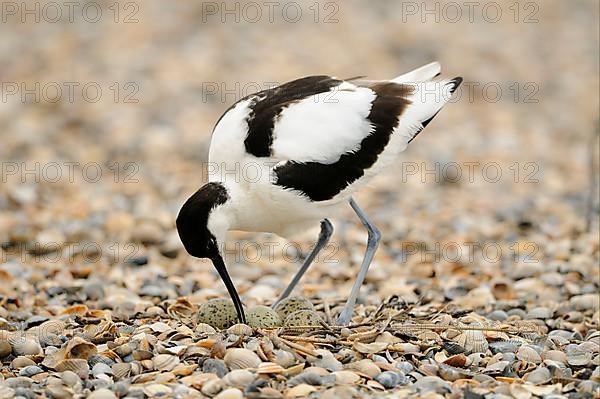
[(240, 358), (405, 347), (306, 377), (160, 390), (303, 318), (181, 309), (230, 393), (263, 317), (121, 370), (589, 346), (528, 354), (292, 304), (212, 387), (102, 393), (160, 327), (238, 378), (459, 360), (5, 348), (174, 350), (25, 346), (300, 391), (203, 328), (219, 313), (142, 355), (284, 358), (432, 383), (453, 348), (555, 355), (93, 360), (78, 366), (52, 390), (294, 370), (521, 366), (473, 341), (541, 375), (326, 360), (136, 368), (585, 302), (101, 368), (505, 346), (578, 358), (49, 331), (269, 368), (450, 373), (345, 377), (373, 347), (124, 350), (375, 385), (365, 367), (78, 348), (215, 366), (21, 361), (496, 368), (440, 357), (30, 371), (387, 338), (429, 368), (539, 313), (240, 329), (79, 310), (318, 370), (164, 362), (70, 378)]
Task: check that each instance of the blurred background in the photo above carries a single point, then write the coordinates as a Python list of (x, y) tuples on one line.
[(107, 110)]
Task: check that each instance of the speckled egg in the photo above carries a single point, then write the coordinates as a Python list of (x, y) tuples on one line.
[(292, 304), (303, 317), (219, 313), (262, 316)]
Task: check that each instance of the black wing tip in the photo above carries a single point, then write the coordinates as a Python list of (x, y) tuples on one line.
[(456, 82)]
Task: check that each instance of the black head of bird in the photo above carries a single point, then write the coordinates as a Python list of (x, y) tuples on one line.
[(202, 231)]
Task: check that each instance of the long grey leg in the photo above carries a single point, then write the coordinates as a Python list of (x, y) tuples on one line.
[(372, 243), (326, 231)]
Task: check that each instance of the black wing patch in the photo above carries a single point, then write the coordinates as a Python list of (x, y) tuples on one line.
[(268, 104), (322, 182)]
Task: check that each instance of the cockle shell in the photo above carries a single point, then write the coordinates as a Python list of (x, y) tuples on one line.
[(240, 358), (121, 370), (240, 329), (78, 366), (164, 362), (365, 367), (238, 378), (473, 341), (22, 346), (269, 368), (203, 328)]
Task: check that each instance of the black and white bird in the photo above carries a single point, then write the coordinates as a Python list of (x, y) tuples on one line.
[(311, 143)]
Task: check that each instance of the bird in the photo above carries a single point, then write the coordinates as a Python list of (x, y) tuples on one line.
[(311, 143)]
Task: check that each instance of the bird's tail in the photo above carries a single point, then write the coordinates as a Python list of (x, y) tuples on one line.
[(422, 74), (429, 95)]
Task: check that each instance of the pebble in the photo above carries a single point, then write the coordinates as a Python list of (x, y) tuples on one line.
[(30, 371), (389, 379), (215, 366)]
